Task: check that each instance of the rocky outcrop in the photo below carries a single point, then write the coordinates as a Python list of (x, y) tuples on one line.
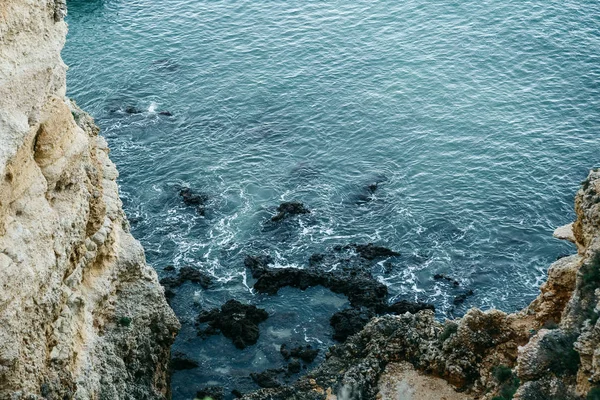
[(550, 350), (234, 320), (81, 314)]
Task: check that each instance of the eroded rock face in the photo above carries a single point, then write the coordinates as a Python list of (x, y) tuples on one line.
[(587, 225), (81, 314)]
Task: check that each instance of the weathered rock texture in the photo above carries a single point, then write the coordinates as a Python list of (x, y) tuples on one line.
[(548, 351), (81, 314)]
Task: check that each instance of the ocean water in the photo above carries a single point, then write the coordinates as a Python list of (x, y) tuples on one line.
[(477, 118)]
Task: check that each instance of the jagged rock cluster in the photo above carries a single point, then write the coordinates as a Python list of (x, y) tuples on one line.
[(550, 350), (81, 314)]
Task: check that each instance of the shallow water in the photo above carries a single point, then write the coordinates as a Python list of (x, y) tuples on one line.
[(478, 119)]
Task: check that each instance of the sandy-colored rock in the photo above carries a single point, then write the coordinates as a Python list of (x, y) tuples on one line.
[(81, 314), (587, 208), (565, 232), (402, 381), (548, 307)]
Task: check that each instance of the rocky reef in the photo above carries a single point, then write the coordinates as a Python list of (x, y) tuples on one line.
[(81, 314), (550, 350)]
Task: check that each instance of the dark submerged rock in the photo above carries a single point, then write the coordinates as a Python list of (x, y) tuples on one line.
[(388, 267), (166, 113), (462, 297), (367, 192), (439, 277), (351, 277), (236, 321), (185, 274), (132, 110), (305, 353), (267, 379), (367, 189), (360, 287), (258, 264), (294, 367), (348, 322), (194, 275), (192, 198), (237, 394), (166, 65), (370, 252), (288, 209), (180, 361)]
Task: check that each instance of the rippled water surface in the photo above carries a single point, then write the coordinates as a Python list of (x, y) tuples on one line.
[(477, 118)]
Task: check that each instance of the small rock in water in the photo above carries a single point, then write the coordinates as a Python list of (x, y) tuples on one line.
[(237, 394), (192, 198), (185, 274), (366, 192), (462, 297), (305, 353), (236, 321), (194, 275), (288, 209), (180, 361), (438, 277), (132, 110), (370, 252), (166, 113)]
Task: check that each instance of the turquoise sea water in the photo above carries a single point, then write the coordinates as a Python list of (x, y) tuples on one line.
[(478, 118)]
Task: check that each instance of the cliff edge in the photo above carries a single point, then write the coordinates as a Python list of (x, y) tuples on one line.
[(81, 314)]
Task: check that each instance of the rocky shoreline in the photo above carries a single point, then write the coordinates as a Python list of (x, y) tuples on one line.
[(549, 350), (83, 316)]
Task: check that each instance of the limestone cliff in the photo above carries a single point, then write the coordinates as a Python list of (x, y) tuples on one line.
[(81, 314), (548, 351)]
